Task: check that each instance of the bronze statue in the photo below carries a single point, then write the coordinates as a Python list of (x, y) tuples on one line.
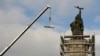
[(77, 26)]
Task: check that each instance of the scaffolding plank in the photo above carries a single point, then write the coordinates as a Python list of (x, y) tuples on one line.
[(78, 43), (89, 52), (70, 36)]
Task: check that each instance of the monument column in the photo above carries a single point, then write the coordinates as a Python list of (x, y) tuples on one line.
[(77, 44)]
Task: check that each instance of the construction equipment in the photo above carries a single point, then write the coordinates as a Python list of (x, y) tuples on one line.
[(24, 30), (49, 26)]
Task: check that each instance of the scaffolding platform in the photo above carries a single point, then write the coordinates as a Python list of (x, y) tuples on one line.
[(71, 36), (85, 45)]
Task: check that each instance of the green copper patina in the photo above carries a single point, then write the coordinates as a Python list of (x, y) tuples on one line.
[(77, 26)]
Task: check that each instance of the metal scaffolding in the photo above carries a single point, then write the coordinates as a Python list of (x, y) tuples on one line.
[(87, 45)]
